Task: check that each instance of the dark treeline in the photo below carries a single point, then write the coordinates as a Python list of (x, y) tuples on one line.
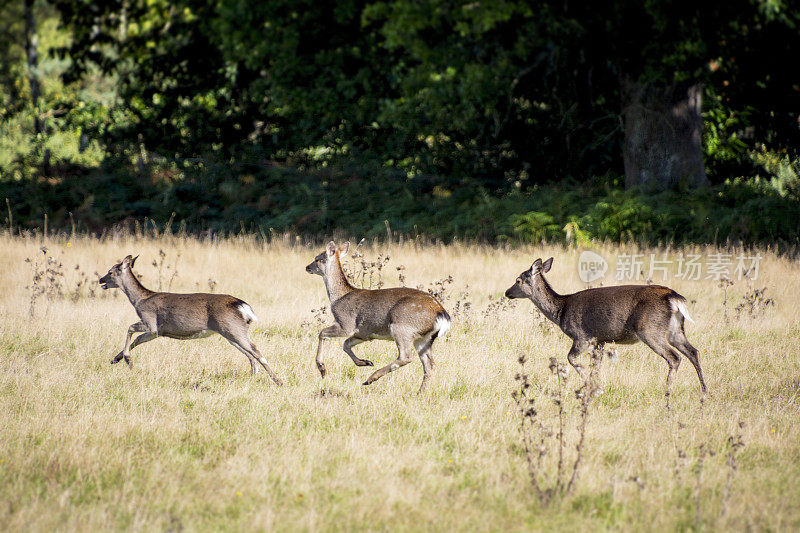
[(668, 119)]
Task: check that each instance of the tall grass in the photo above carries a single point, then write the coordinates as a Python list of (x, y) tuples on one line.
[(189, 440)]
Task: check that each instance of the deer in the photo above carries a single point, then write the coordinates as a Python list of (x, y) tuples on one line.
[(183, 316), (622, 314), (410, 317)]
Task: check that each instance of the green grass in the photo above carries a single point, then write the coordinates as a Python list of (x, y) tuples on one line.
[(187, 439)]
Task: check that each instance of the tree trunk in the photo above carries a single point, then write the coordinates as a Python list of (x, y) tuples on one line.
[(663, 135), (32, 52)]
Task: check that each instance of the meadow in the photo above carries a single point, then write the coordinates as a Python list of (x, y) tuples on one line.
[(188, 440)]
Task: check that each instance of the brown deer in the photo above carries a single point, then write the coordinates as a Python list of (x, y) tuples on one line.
[(410, 317), (183, 316), (625, 314)]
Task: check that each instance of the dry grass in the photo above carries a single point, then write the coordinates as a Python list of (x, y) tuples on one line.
[(189, 440)]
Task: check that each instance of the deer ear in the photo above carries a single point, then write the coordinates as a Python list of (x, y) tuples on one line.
[(547, 264), (134, 260), (331, 249), (344, 248), (128, 261), (537, 265)]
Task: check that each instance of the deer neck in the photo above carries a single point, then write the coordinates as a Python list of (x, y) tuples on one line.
[(336, 282), (549, 302), (133, 288)]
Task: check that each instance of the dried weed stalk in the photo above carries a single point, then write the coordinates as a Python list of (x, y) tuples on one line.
[(703, 460), (497, 307), (586, 395), (439, 289), (725, 284), (754, 302), (526, 406), (320, 318), (47, 278), (702, 452), (400, 276), (462, 310), (552, 486), (735, 443), (85, 285), (364, 273), (164, 269)]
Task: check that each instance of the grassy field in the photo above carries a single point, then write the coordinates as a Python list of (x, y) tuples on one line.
[(188, 440)]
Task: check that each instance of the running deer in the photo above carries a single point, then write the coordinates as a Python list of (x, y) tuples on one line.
[(625, 314), (183, 316), (410, 317)]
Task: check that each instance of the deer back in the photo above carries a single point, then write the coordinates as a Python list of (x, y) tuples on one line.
[(616, 313), (188, 313), (373, 311)]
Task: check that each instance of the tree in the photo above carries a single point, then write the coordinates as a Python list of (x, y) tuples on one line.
[(502, 94), (667, 55), (559, 89), (32, 53), (663, 135), (211, 78)]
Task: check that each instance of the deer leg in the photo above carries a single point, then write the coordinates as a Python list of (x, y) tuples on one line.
[(426, 371), (578, 347), (134, 328), (261, 359), (670, 355), (423, 347), (141, 339), (673, 367), (251, 352), (681, 343), (241, 348), (427, 367), (331, 331), (252, 361), (348, 349), (403, 358)]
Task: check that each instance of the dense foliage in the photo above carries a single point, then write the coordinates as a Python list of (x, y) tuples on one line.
[(484, 119), (361, 201)]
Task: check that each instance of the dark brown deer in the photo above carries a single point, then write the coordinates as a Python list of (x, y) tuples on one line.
[(625, 314), (412, 318), (183, 316)]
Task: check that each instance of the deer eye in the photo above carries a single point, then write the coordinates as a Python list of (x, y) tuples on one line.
[(519, 281)]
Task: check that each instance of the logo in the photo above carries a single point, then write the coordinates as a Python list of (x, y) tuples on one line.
[(591, 266)]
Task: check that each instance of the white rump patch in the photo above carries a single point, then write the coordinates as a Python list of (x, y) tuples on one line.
[(680, 307), (442, 325), (247, 313)]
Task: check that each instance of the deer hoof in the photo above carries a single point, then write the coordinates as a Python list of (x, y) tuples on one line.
[(365, 362), (321, 368)]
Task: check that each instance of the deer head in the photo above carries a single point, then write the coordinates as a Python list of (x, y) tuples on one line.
[(113, 280), (530, 284), (327, 262)]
